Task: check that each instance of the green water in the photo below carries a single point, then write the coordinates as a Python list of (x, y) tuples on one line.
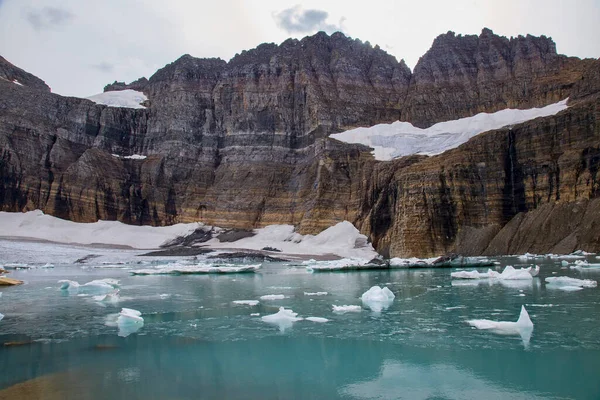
[(196, 343)]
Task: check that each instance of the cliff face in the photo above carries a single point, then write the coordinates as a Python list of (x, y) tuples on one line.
[(245, 144)]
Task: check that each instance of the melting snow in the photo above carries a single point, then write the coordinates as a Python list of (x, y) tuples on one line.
[(122, 98), (131, 157), (402, 138)]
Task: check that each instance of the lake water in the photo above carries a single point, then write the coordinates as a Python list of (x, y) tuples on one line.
[(196, 343)]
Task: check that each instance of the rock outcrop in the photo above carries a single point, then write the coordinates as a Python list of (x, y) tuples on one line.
[(11, 73), (245, 144)]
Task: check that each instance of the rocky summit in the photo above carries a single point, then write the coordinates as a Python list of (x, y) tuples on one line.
[(246, 144)]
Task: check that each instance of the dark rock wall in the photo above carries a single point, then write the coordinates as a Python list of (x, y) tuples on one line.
[(244, 144)]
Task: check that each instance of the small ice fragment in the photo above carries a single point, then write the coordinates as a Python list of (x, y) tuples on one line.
[(164, 295), (1, 316), (378, 299), (564, 263), (246, 302), (129, 321), (344, 309), (523, 326), (315, 293), (112, 297), (255, 314), (284, 319), (272, 297), (99, 286), (317, 319)]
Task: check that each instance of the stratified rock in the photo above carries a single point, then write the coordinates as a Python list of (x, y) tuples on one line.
[(17, 76), (4, 281)]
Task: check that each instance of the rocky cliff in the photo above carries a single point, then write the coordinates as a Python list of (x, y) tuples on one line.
[(245, 143)]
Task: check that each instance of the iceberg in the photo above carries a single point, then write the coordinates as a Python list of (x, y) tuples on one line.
[(344, 309), (317, 319), (523, 326), (129, 321), (272, 297), (569, 284), (509, 273), (246, 302), (585, 266), (100, 286), (180, 269), (378, 299), (284, 319)]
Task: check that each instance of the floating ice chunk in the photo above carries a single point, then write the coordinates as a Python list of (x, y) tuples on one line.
[(564, 263), (246, 302), (129, 321), (112, 297), (378, 299), (182, 269), (509, 273), (534, 271), (569, 284), (316, 293), (1, 316), (523, 326), (470, 274), (99, 286), (255, 314), (317, 319), (337, 265), (272, 297), (284, 319), (344, 309), (585, 266)]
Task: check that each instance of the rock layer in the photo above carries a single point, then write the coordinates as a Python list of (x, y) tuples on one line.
[(244, 144)]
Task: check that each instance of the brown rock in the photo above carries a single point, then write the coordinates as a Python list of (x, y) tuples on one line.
[(4, 281)]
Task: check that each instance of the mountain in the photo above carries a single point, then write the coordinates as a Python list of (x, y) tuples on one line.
[(245, 143)]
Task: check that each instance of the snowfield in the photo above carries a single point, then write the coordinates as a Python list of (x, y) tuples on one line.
[(400, 139), (122, 98)]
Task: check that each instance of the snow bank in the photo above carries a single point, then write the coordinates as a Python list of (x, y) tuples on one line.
[(284, 319), (100, 286), (246, 302), (122, 98), (342, 239), (344, 309), (17, 82), (183, 269), (523, 326), (37, 225), (402, 138), (129, 321), (569, 284), (378, 299)]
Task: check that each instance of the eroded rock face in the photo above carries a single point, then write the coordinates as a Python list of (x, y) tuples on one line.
[(244, 144), (16, 75)]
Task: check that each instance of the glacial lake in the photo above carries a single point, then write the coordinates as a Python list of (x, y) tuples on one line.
[(196, 342)]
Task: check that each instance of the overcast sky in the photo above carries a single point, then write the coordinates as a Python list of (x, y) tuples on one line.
[(78, 46)]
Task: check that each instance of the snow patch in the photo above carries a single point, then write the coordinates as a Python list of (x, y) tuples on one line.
[(131, 157), (17, 82), (399, 139), (122, 98)]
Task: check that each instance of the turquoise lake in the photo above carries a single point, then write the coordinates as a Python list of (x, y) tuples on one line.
[(196, 343)]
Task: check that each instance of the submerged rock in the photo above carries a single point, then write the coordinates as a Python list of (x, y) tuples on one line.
[(4, 281)]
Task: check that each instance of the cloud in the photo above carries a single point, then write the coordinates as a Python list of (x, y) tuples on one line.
[(48, 18), (103, 67), (298, 20)]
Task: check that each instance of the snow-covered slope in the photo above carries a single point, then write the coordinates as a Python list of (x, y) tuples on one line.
[(122, 98), (402, 138)]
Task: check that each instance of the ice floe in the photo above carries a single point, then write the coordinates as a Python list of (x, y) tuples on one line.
[(183, 269), (585, 266), (284, 318), (402, 138), (112, 297), (272, 297), (346, 308), (345, 264), (99, 286), (316, 293), (317, 319), (569, 284), (509, 273), (246, 302), (122, 98), (378, 299), (523, 326), (1, 316), (129, 321)]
